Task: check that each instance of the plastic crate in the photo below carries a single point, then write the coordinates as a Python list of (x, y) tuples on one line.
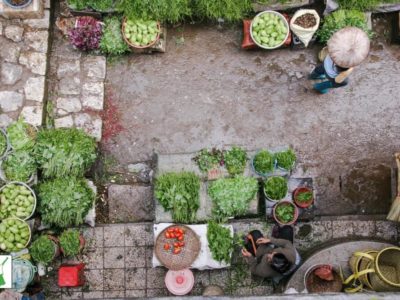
[(71, 275)]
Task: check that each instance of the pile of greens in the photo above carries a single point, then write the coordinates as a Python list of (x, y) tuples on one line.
[(286, 159), (3, 144), (235, 160), (263, 162), (64, 202), (208, 160), (19, 166), (304, 196), (229, 10), (64, 152), (285, 212), (340, 19), (98, 5), (276, 187), (179, 193), (70, 242), (362, 5), (43, 250), (21, 135), (231, 196), (220, 242), (112, 41)]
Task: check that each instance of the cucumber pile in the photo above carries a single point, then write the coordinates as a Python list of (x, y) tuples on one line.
[(141, 33), (14, 235), (16, 201), (269, 30)]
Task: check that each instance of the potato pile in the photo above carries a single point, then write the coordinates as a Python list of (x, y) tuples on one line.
[(269, 30), (14, 235), (16, 201), (141, 33)]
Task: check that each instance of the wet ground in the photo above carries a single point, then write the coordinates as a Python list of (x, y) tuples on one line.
[(206, 91)]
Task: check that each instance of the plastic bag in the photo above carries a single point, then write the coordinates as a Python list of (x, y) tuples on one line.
[(304, 34)]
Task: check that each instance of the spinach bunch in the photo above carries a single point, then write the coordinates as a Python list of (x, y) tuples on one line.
[(179, 193), (231, 196), (112, 41), (70, 242), (21, 135), (276, 187), (19, 166), (235, 160), (64, 202), (64, 152), (220, 242), (43, 250), (286, 159)]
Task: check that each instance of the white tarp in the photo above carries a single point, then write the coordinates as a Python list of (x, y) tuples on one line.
[(204, 261), (304, 34)]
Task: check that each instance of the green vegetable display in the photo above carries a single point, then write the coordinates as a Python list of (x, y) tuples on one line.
[(179, 193), (341, 19), (140, 32), (228, 10), (285, 212), (304, 196), (43, 250), (112, 41), (16, 201), (64, 202), (21, 135), (231, 196), (208, 160), (220, 242), (263, 162), (14, 235), (19, 166), (286, 159), (362, 5), (235, 160), (70, 242), (269, 30), (3, 144), (276, 187), (98, 5), (64, 152)]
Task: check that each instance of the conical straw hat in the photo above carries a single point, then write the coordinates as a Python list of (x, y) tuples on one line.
[(349, 47)]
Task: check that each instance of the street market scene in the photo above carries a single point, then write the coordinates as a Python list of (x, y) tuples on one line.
[(199, 148)]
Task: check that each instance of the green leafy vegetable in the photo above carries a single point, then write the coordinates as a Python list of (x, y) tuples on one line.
[(112, 41), (43, 250), (304, 196), (64, 152), (286, 159), (3, 143), (19, 166), (70, 242), (276, 187), (101, 5), (208, 160), (362, 5), (21, 135), (285, 212), (179, 193), (16, 201), (229, 10), (231, 196), (14, 235), (220, 242), (64, 202), (77, 4), (235, 160), (263, 162)]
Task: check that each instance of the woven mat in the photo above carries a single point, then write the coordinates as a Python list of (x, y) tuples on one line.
[(182, 260)]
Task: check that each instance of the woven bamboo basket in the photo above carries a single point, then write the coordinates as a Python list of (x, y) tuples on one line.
[(360, 263), (386, 277)]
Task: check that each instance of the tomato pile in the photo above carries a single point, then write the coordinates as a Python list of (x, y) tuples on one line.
[(177, 236)]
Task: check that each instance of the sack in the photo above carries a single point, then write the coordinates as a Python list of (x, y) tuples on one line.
[(304, 34), (250, 241)]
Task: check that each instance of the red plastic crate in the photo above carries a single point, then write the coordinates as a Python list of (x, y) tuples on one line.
[(71, 275)]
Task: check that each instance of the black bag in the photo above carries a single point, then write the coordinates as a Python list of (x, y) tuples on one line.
[(250, 241)]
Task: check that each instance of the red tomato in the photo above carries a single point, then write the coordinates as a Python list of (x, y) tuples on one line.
[(172, 235), (180, 231), (170, 230), (167, 246), (176, 245), (181, 244), (167, 235), (180, 238), (177, 250)]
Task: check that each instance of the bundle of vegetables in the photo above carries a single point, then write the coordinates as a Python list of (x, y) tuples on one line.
[(141, 33), (14, 235), (43, 250), (64, 152), (16, 200), (263, 162), (64, 202), (276, 187), (86, 34), (179, 193), (112, 41), (19, 166), (21, 135), (70, 242), (3, 143), (231, 196), (340, 19), (235, 160), (286, 159), (269, 30), (207, 160), (220, 242)]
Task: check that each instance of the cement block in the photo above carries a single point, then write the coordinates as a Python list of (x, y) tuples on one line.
[(32, 11)]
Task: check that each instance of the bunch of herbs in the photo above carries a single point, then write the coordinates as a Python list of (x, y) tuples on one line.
[(235, 160), (65, 202), (21, 135), (286, 159), (276, 187), (112, 42), (43, 250), (304, 196), (207, 160), (64, 152), (19, 166), (263, 162), (285, 212), (231, 196), (220, 242), (179, 193), (70, 242)]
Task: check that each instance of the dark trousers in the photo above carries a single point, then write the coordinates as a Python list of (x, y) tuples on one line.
[(320, 70)]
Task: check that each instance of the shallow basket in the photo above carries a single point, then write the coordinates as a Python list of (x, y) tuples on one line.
[(32, 192), (182, 260), (138, 46), (30, 231)]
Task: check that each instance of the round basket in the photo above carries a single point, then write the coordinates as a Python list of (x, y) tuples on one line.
[(22, 5), (32, 192), (387, 270), (138, 46), (360, 262), (185, 258), (284, 21), (26, 224), (314, 284)]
